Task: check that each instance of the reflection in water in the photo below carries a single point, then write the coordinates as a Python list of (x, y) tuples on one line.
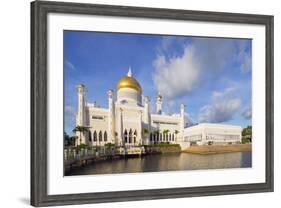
[(168, 162)]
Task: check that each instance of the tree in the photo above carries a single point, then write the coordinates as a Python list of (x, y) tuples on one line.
[(66, 139), (166, 131), (247, 134), (81, 130), (72, 140)]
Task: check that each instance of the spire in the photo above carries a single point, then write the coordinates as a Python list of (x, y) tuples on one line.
[(129, 74)]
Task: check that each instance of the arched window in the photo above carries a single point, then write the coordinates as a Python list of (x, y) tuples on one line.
[(95, 136), (100, 136), (105, 136), (135, 136), (160, 137), (126, 136), (130, 136), (170, 137), (151, 137), (173, 137), (90, 136)]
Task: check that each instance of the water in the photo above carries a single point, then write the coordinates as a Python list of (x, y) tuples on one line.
[(167, 162)]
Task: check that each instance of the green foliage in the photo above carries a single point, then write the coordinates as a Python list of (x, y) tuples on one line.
[(176, 132), (247, 135), (109, 145), (145, 131), (69, 140), (82, 146), (166, 131), (210, 142), (246, 140), (80, 129), (163, 145)]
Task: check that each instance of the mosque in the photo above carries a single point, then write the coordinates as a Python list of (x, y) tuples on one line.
[(128, 121)]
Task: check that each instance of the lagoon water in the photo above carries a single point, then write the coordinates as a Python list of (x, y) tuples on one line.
[(167, 162)]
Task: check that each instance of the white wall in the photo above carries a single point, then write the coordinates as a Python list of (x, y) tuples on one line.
[(14, 110)]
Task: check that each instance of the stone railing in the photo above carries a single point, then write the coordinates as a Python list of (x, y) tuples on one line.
[(75, 154)]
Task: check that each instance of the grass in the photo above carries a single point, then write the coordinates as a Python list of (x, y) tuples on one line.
[(162, 145), (215, 149)]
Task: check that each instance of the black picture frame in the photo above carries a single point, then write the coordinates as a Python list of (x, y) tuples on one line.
[(39, 98)]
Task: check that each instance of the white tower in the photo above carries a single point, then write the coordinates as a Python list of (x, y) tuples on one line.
[(146, 119), (111, 116), (81, 115), (159, 104)]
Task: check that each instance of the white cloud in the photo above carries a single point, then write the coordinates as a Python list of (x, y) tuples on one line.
[(244, 58), (69, 110), (222, 107), (69, 65), (166, 42), (247, 113), (176, 75)]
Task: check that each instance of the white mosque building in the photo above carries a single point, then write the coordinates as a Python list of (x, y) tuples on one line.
[(128, 121)]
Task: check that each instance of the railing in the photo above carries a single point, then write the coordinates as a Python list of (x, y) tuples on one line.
[(74, 154), (95, 152)]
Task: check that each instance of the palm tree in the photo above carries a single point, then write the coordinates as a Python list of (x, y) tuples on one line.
[(165, 134), (81, 130)]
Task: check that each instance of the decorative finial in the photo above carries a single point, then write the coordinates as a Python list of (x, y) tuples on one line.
[(159, 97), (110, 93), (129, 74)]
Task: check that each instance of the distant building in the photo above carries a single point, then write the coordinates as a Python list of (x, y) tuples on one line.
[(128, 121), (209, 133)]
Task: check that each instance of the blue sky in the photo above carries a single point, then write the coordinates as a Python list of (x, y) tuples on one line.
[(211, 76)]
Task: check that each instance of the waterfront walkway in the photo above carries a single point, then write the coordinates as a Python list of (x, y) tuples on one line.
[(74, 157)]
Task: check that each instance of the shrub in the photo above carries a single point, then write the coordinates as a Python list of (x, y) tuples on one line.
[(246, 140), (82, 146), (109, 145)]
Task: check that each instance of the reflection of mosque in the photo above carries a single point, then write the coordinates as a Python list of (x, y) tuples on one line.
[(128, 121)]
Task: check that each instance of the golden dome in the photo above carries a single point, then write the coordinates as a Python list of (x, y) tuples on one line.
[(129, 82)]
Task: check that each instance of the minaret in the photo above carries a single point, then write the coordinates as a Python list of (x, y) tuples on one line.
[(80, 119), (159, 104), (111, 116), (147, 119), (181, 120)]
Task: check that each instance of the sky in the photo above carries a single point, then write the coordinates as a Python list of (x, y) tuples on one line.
[(211, 76)]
